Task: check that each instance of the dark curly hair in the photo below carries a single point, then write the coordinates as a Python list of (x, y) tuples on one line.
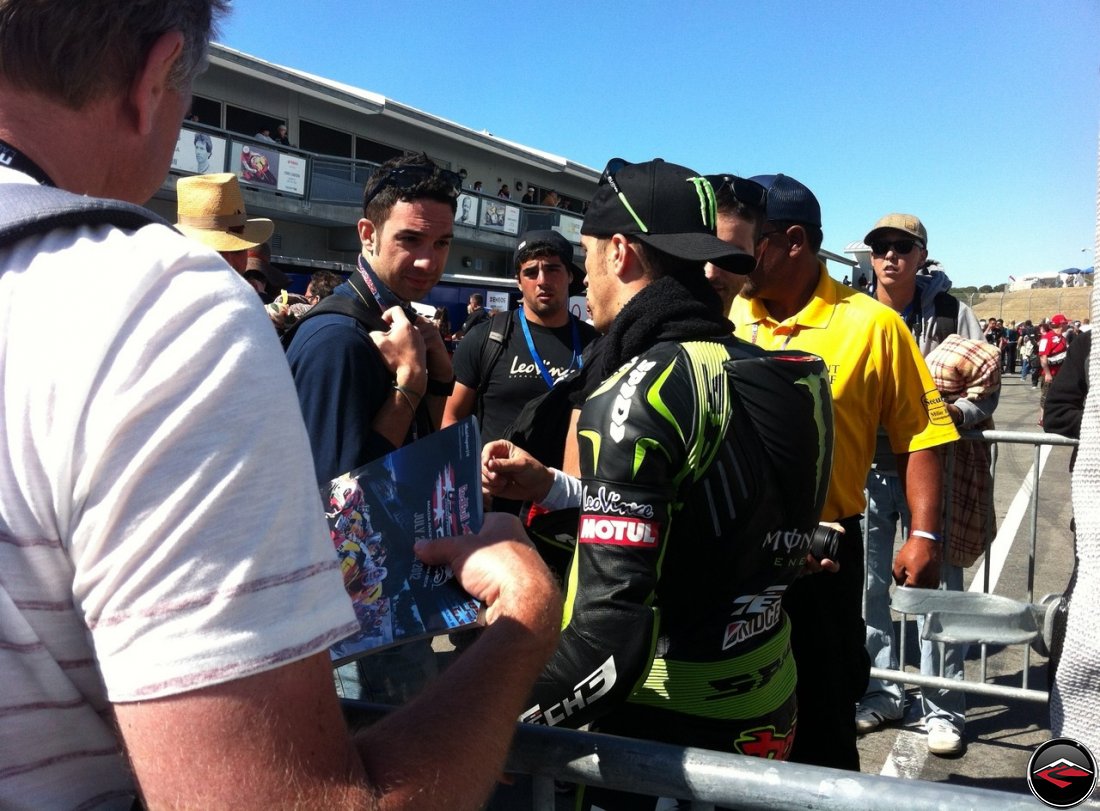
[(433, 187)]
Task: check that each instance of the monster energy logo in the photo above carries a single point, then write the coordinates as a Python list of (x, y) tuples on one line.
[(814, 385), (708, 203)]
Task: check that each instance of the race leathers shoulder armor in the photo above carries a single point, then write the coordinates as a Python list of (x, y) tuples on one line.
[(704, 468)]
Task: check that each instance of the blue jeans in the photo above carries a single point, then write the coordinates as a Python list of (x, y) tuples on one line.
[(886, 505)]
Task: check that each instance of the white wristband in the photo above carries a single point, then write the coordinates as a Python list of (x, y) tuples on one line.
[(932, 536)]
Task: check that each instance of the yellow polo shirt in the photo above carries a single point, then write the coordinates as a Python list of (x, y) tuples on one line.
[(876, 373)]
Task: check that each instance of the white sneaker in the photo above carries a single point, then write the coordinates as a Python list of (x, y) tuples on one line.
[(943, 737), (868, 720)]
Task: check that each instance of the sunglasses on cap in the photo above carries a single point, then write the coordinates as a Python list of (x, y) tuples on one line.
[(406, 177), (744, 191), (614, 166), (901, 247), (703, 188)]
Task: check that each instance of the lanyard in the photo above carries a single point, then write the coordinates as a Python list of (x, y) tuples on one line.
[(385, 297), (543, 370), (13, 158)]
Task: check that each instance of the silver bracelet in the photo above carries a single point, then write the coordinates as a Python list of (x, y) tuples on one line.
[(405, 394)]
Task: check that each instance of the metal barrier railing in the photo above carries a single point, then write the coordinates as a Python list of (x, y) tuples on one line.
[(1037, 612), (708, 779)]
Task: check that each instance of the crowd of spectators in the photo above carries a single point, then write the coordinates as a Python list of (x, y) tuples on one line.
[(970, 401), (280, 136), (1041, 348)]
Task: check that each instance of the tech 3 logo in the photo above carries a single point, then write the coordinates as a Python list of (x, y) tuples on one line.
[(1062, 773), (589, 690)]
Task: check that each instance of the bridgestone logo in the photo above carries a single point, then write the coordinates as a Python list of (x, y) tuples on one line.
[(740, 630), (619, 531)]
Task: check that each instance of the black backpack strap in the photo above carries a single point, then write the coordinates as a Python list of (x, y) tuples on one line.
[(947, 315), (338, 305), (492, 347), (31, 210)]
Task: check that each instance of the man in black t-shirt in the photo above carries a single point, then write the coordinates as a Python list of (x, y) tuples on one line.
[(543, 340), (477, 314), (995, 331)]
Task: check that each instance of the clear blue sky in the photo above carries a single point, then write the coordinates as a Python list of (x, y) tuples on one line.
[(979, 117)]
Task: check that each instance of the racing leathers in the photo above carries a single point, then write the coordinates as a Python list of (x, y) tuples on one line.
[(704, 468)]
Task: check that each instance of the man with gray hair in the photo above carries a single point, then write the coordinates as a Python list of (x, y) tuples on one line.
[(168, 590)]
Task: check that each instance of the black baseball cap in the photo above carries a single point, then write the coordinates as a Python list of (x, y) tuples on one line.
[(556, 244), (790, 201), (553, 241), (666, 206)]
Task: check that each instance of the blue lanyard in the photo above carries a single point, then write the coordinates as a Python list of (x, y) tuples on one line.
[(543, 370)]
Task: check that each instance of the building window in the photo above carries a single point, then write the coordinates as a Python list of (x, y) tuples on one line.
[(368, 150), (323, 140), (209, 111), (247, 122)]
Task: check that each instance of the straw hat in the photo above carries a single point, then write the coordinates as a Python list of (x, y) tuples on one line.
[(210, 210)]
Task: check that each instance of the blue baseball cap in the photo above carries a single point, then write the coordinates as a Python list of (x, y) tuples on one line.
[(790, 201)]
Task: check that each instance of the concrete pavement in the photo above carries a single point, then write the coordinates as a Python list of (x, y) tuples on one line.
[(1001, 733)]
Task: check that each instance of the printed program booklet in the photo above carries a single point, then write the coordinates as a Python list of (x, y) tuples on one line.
[(429, 489)]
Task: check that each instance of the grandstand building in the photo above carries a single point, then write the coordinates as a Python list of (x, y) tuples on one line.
[(338, 134), (313, 189)]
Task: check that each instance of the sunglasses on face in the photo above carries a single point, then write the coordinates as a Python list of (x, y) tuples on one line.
[(406, 177), (744, 191), (901, 247)]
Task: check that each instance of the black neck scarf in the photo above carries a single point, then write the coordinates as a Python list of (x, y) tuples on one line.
[(681, 307)]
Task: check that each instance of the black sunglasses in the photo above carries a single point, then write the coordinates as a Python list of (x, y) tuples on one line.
[(405, 177), (745, 191), (901, 247)]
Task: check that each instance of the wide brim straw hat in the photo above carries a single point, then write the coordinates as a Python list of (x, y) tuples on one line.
[(210, 210)]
